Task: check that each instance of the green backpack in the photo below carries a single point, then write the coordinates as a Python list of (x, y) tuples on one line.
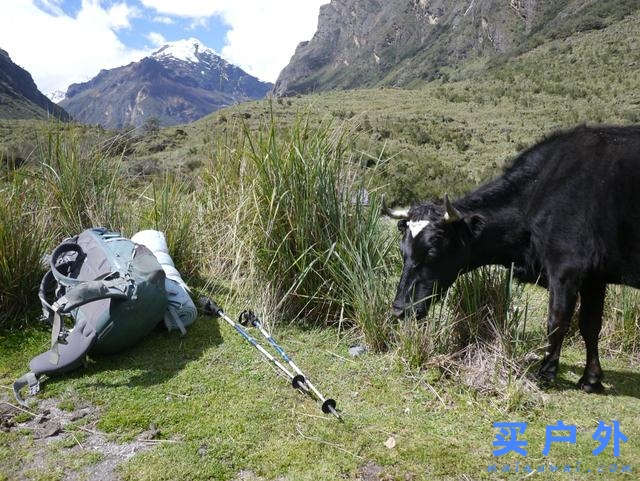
[(112, 289)]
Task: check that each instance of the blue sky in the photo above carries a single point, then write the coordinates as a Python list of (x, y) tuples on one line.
[(211, 31), (65, 41)]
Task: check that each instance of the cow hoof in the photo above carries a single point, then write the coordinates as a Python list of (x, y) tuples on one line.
[(547, 372), (595, 387), (546, 377)]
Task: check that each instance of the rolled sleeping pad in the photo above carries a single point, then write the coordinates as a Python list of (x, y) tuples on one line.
[(181, 310)]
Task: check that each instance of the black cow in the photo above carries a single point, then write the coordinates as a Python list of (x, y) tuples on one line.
[(565, 214)]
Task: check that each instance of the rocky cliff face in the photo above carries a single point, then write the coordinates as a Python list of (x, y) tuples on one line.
[(179, 83), (362, 43), (19, 95)]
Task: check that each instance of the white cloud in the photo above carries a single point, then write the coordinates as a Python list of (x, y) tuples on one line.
[(156, 39), (263, 34), (58, 49), (199, 22), (163, 19), (52, 6)]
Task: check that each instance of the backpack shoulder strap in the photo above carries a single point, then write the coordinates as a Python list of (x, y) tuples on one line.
[(30, 380), (81, 294)]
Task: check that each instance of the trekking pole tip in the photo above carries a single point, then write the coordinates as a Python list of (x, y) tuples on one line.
[(329, 407), (299, 382)]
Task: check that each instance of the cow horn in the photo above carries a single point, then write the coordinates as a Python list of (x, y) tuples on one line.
[(399, 214), (451, 214)]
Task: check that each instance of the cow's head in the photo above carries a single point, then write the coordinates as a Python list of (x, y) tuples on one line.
[(435, 247)]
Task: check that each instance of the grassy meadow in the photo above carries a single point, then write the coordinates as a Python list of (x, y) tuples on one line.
[(262, 207)]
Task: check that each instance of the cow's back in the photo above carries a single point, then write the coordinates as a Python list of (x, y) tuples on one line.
[(583, 202)]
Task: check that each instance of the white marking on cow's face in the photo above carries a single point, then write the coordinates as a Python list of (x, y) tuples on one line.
[(416, 226), (400, 213)]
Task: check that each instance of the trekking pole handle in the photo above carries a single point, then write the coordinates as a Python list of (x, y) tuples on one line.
[(210, 307), (248, 318)]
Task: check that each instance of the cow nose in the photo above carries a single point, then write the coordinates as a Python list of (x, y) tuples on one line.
[(397, 311)]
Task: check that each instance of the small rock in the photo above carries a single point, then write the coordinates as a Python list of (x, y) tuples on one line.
[(390, 443), (532, 357), (152, 433), (6, 423), (357, 350), (203, 450), (77, 415), (42, 418), (370, 472), (50, 429)]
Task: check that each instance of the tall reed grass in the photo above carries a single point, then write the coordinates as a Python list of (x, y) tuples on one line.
[(24, 236), (621, 329), (82, 186), (318, 236), (169, 205)]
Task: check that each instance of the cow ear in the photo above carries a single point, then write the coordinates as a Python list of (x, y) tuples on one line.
[(475, 224)]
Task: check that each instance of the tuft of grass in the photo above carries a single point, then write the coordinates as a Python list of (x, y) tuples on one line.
[(477, 334), (317, 232), (484, 305), (428, 342), (363, 274), (84, 187), (621, 332), (172, 209), (24, 236)]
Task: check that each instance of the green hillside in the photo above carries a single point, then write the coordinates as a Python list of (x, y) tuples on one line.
[(449, 136), (452, 135)]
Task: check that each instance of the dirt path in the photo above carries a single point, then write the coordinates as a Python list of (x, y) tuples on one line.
[(64, 443)]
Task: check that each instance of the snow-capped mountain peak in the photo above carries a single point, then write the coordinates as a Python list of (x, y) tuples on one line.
[(185, 50), (56, 96), (179, 83)]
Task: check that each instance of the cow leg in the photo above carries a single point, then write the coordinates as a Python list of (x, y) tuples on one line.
[(562, 302), (592, 295)]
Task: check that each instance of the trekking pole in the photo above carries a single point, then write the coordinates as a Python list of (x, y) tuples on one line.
[(328, 404), (211, 308)]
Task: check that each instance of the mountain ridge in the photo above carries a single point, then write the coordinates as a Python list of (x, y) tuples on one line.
[(178, 83), (19, 94), (366, 43)]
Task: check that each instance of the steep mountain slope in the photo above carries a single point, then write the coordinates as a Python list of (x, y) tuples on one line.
[(362, 43), (19, 95), (181, 82)]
